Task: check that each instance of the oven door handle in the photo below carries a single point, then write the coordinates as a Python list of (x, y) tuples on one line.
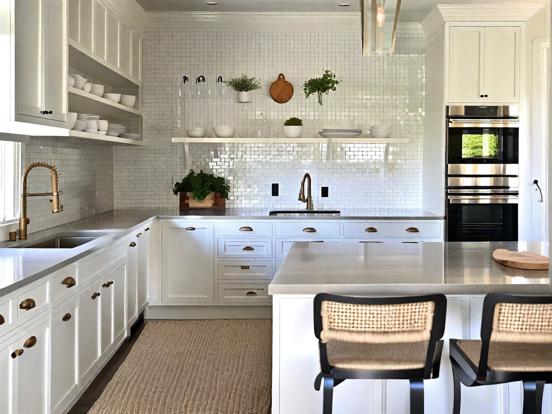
[(483, 123), (487, 199)]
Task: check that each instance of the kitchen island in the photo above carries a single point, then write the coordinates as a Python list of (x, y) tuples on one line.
[(465, 272)]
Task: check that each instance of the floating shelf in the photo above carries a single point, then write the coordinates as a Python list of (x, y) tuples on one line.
[(186, 140), (87, 103), (104, 138), (84, 61)]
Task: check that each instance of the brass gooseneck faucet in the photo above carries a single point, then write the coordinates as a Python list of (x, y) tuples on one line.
[(56, 206), (308, 198)]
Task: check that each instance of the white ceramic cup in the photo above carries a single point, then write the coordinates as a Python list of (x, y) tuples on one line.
[(79, 80), (128, 100), (97, 89), (103, 124), (87, 87), (92, 124)]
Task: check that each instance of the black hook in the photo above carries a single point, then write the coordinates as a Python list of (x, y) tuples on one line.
[(219, 79), (185, 79), (536, 182), (200, 79)]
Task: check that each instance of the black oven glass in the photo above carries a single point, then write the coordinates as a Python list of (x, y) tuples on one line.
[(482, 222), (483, 145)]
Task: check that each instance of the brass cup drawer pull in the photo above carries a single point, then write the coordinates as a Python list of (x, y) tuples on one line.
[(2, 320), (248, 248), (27, 304), (30, 342), (66, 317), (371, 230), (246, 267), (413, 230), (251, 293), (246, 228), (132, 244), (17, 353), (309, 230), (190, 228), (95, 295), (69, 282)]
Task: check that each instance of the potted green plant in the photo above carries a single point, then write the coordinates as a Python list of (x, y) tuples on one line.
[(243, 85), (293, 127), (202, 190), (323, 85)]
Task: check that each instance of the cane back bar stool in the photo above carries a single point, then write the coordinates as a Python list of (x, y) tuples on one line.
[(515, 345), (379, 338)]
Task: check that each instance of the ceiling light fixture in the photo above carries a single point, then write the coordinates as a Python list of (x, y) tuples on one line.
[(377, 35), (380, 13)]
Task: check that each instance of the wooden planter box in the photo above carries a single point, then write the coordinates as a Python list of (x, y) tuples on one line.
[(213, 200)]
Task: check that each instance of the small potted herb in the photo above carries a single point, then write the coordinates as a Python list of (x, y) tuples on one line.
[(202, 190), (324, 85), (243, 85), (293, 127)]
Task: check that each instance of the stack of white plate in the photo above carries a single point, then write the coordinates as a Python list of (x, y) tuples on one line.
[(115, 130), (340, 133)]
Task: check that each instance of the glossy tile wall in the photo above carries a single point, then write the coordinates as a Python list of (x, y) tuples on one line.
[(85, 177), (379, 89)]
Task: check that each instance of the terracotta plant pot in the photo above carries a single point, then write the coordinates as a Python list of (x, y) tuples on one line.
[(213, 200)]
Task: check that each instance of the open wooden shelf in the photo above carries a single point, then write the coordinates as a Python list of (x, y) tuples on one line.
[(87, 103), (104, 138), (320, 140)]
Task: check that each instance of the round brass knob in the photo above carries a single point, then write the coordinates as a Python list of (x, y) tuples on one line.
[(16, 353), (66, 317)]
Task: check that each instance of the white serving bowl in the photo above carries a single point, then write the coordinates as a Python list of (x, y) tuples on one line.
[(103, 124), (292, 131), (80, 125), (195, 132), (380, 131), (128, 100), (86, 117), (97, 89), (87, 87), (113, 97), (71, 119), (113, 133), (79, 80), (224, 131)]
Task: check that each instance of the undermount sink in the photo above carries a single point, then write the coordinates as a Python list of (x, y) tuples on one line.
[(299, 213), (68, 240)]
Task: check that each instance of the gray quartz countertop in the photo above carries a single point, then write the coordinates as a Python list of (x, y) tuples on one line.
[(396, 268), (20, 266)]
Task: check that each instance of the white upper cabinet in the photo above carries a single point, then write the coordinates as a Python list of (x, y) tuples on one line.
[(99, 30), (40, 61), (86, 18), (484, 64)]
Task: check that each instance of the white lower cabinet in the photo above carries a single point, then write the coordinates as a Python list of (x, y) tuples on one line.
[(106, 313), (132, 279), (8, 390), (64, 386), (89, 330), (188, 274)]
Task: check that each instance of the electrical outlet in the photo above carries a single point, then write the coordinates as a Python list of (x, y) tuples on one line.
[(324, 192), (275, 189), (259, 115)]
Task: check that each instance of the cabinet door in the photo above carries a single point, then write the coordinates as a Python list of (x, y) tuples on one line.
[(132, 280), (55, 68), (64, 356), (187, 275), (32, 370), (125, 50), (465, 64), (107, 313), (112, 40), (89, 331), (136, 56), (29, 58), (8, 392), (73, 24), (143, 270), (99, 30), (86, 19), (502, 61), (119, 314)]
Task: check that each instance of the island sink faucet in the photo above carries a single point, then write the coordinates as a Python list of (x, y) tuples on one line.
[(308, 198), (56, 206)]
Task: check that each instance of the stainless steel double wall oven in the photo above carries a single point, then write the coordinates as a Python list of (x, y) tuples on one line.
[(482, 173)]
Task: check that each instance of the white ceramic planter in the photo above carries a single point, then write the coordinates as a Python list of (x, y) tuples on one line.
[(244, 97), (292, 131)]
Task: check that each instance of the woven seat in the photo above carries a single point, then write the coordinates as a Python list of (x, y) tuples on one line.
[(511, 356), (515, 345), (383, 338), (391, 356)]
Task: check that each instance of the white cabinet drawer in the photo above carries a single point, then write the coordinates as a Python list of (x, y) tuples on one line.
[(247, 293), (63, 283), (31, 300), (249, 249), (244, 270), (6, 318), (378, 230), (284, 246), (244, 229), (308, 229), (92, 265)]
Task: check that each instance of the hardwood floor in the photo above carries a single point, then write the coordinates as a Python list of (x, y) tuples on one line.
[(95, 389)]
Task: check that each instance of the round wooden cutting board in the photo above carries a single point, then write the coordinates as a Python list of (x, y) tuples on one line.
[(281, 90), (521, 260)]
